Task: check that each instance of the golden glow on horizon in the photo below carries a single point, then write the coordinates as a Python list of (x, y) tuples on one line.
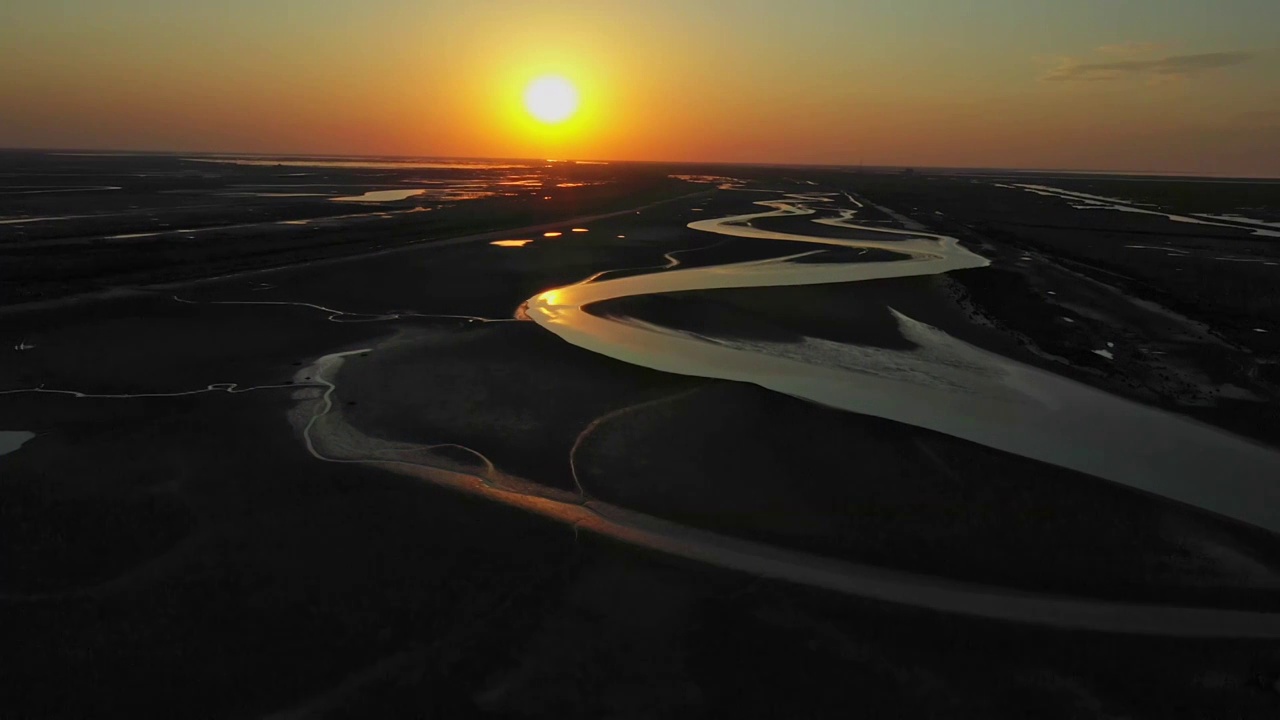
[(551, 99), (655, 80)]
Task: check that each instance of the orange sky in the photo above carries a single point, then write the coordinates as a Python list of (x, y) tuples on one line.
[(1168, 86)]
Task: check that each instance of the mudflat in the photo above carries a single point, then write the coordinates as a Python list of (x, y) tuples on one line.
[(205, 501)]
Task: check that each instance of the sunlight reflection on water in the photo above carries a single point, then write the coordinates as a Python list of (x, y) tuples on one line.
[(382, 196)]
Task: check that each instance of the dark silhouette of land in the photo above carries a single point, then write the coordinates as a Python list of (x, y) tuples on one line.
[(177, 540)]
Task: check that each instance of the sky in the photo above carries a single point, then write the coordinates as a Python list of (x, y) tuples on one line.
[(1124, 85)]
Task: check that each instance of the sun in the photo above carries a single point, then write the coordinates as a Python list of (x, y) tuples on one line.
[(551, 99)]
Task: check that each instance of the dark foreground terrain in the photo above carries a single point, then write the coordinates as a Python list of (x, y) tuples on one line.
[(174, 543)]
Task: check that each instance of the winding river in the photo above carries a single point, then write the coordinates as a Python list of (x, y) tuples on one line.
[(945, 385)]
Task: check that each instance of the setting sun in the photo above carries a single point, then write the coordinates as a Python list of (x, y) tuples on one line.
[(551, 99)]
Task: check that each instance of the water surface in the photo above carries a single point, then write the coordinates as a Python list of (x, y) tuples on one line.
[(382, 196), (11, 440), (945, 384)]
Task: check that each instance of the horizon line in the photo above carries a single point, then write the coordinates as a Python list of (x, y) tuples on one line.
[(1186, 174)]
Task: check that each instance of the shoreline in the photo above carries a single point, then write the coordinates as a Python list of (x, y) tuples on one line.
[(129, 291)]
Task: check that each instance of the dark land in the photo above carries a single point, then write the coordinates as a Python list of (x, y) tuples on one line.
[(186, 555)]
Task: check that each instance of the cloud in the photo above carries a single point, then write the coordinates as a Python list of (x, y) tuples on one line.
[(1133, 48), (1171, 66)]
